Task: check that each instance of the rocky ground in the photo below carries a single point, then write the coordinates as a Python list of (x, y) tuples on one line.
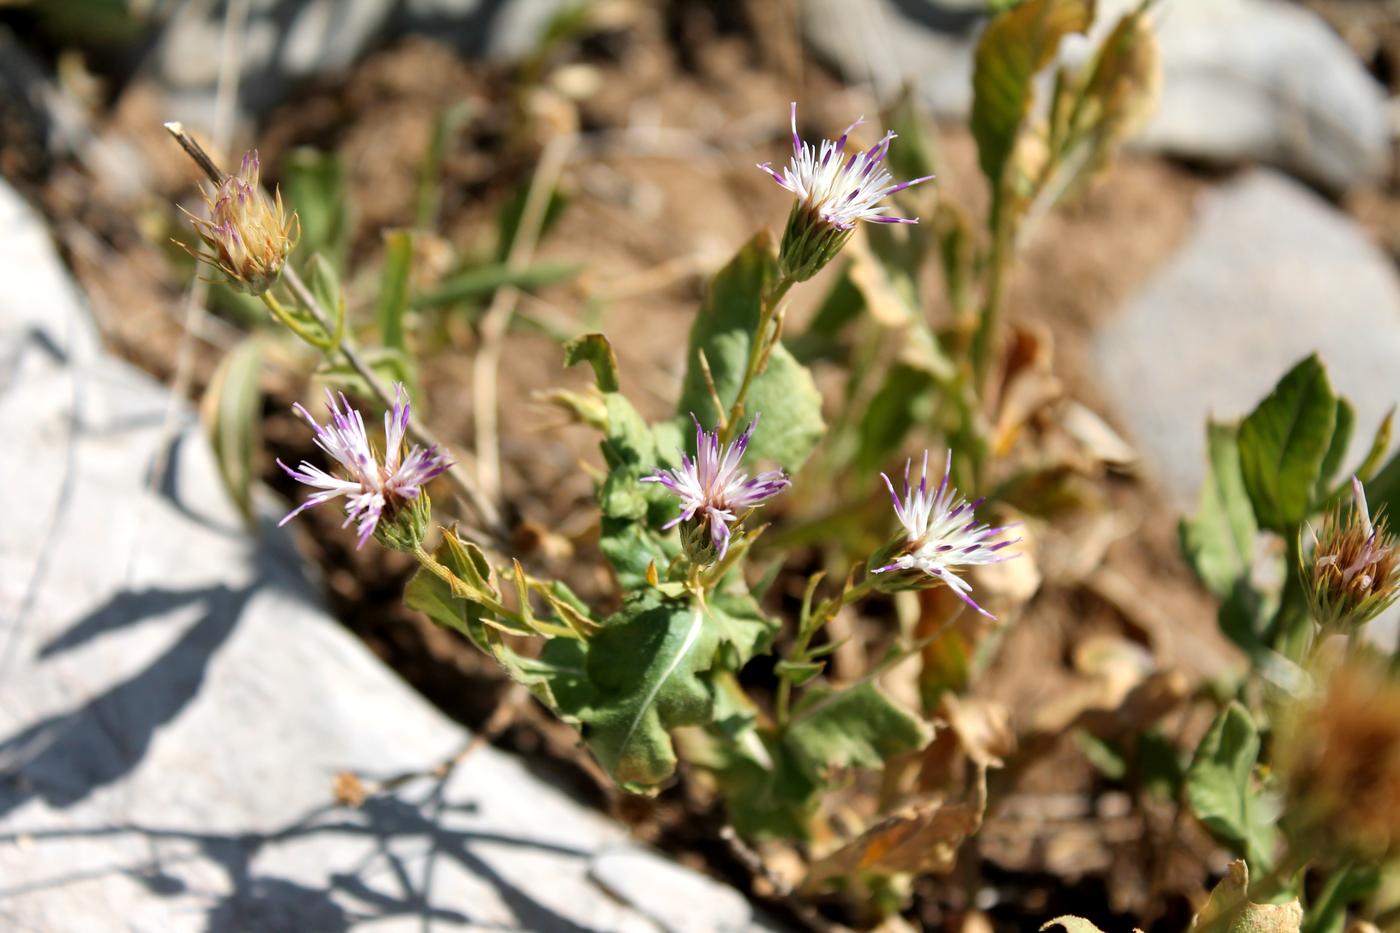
[(1254, 222)]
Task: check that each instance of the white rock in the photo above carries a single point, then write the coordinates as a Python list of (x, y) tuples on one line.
[(1244, 79), (680, 901), (284, 42), (1270, 273), (174, 703)]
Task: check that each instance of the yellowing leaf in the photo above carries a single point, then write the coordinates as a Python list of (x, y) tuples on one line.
[(1229, 909), (1013, 48), (920, 838), (1124, 85)]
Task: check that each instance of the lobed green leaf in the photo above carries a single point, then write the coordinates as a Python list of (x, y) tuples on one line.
[(1283, 443)]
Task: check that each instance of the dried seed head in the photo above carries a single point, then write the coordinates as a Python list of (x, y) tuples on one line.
[(1352, 570), (248, 235), (1340, 757)]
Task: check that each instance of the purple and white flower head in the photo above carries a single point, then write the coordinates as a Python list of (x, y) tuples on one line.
[(373, 488), (834, 191), (941, 536), (713, 491)]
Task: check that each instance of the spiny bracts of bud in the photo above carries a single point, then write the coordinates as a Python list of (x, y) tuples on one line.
[(248, 235), (833, 191), (713, 492), (1339, 755), (1352, 569), (381, 496), (940, 536)]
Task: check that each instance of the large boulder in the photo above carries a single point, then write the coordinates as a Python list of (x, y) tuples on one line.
[(1269, 273)]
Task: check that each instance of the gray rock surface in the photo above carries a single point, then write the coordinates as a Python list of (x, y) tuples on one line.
[(174, 703), (1270, 273), (285, 42), (1244, 79)]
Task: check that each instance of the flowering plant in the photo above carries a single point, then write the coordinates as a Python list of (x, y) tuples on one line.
[(716, 653)]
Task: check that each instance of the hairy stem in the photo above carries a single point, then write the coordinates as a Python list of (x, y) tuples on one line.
[(811, 624), (484, 508), (765, 335), (984, 340)]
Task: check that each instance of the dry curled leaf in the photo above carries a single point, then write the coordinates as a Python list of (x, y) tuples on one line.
[(1075, 925), (920, 838), (348, 790), (1229, 910)]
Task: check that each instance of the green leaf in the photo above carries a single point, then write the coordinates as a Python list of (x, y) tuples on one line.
[(389, 365), (785, 394), (644, 665), (766, 794), (598, 353), (905, 399), (1220, 788), (1157, 765), (1383, 490), (392, 305), (483, 280), (231, 410), (856, 726), (841, 306), (449, 605), (1108, 759), (1013, 48), (1283, 443), (1380, 443), (429, 199), (1349, 884), (313, 184), (1344, 424), (325, 286), (508, 221), (1219, 541), (740, 624)]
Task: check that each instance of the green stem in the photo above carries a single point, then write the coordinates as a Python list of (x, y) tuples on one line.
[(759, 349), (484, 507), (810, 625), (289, 321), (984, 340)]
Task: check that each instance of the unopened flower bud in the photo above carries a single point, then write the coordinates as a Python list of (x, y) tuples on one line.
[(248, 235), (809, 242), (1352, 570)]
